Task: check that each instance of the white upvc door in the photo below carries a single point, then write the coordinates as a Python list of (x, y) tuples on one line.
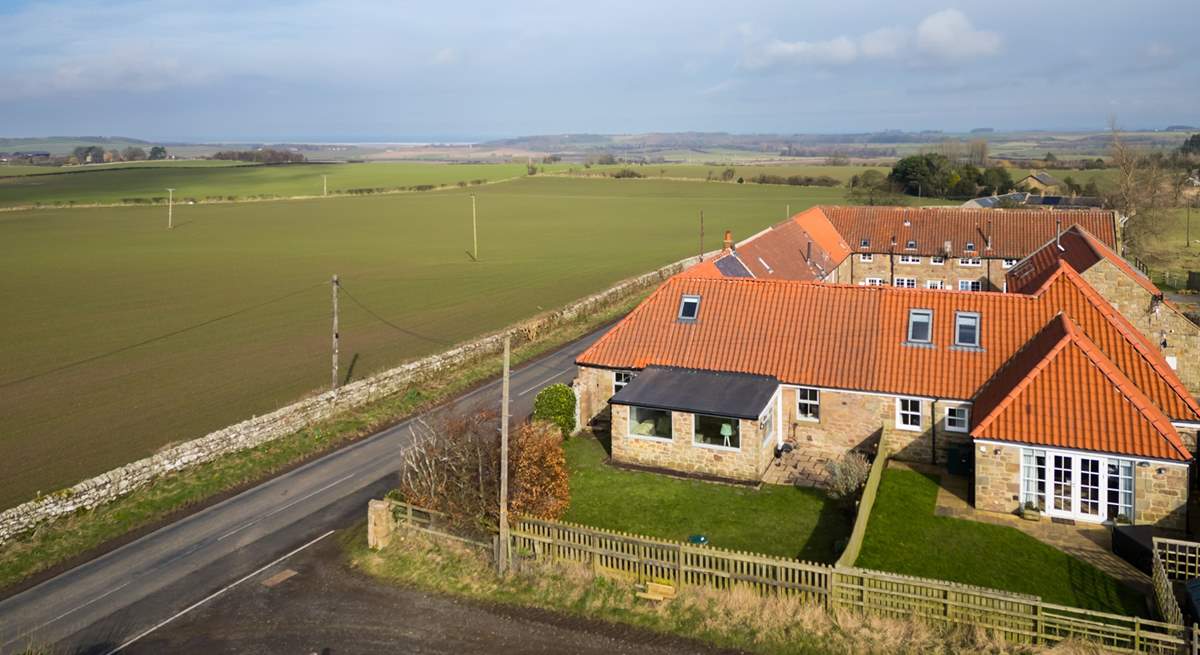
[(1078, 487)]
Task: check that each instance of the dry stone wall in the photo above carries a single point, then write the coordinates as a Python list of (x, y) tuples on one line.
[(287, 420)]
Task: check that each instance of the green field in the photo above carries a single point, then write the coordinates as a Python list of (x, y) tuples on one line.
[(115, 183), (700, 172), (87, 286)]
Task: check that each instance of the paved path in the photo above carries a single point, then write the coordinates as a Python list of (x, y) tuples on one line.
[(102, 603)]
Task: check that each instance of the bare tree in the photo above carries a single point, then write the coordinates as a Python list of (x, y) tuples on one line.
[(1139, 192)]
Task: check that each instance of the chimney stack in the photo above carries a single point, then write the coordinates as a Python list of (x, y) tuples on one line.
[(728, 240), (989, 234), (1058, 233), (808, 252)]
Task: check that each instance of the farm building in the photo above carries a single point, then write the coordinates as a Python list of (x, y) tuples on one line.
[(1041, 182)]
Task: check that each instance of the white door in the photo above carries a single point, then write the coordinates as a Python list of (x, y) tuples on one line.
[(1078, 486)]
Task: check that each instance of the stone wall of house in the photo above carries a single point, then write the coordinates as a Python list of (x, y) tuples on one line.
[(594, 387), (991, 271), (256, 431), (1160, 498), (1158, 321), (679, 453), (997, 478)]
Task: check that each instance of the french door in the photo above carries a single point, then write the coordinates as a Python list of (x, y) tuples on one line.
[(1077, 486)]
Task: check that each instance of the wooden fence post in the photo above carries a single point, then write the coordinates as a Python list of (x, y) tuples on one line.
[(408, 515), (593, 541), (1038, 626), (1137, 634)]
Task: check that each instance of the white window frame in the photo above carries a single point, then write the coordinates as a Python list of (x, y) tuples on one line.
[(910, 245), (937, 261), (1009, 263), (910, 259), (683, 302), (908, 333), (814, 402), (649, 437), (864, 243), (619, 384), (970, 262), (866, 257), (935, 284), (966, 418), (972, 285), (766, 424), (872, 282), (1028, 480), (958, 317), (905, 282), (903, 408), (970, 247), (728, 449)]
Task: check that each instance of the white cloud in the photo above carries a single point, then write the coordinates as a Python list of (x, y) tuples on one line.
[(944, 36), (949, 35)]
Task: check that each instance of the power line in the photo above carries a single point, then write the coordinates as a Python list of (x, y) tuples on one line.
[(161, 337), (376, 316)]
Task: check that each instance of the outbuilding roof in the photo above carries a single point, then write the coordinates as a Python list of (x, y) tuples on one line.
[(717, 393)]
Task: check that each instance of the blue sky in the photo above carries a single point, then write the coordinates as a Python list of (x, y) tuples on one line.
[(348, 69)]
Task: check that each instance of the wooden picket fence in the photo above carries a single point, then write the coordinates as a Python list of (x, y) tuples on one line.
[(1014, 617)]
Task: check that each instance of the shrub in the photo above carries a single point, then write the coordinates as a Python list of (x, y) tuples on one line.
[(626, 173), (538, 468), (556, 404), (847, 475)]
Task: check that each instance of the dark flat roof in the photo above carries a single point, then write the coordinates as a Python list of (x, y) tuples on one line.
[(736, 395)]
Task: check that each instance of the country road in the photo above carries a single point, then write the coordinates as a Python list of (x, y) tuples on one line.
[(100, 605)]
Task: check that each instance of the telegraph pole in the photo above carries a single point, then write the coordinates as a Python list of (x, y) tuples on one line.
[(324, 185), (474, 230), (701, 235), (787, 209), (334, 370), (170, 208), (502, 564)]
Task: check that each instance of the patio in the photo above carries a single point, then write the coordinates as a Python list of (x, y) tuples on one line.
[(803, 467)]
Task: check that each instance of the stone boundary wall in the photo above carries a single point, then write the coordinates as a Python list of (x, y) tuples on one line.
[(256, 431)]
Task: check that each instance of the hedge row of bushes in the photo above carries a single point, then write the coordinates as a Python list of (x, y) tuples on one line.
[(797, 180)]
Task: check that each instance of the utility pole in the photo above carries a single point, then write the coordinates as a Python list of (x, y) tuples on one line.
[(502, 564), (474, 230), (788, 210), (701, 235), (1188, 228), (334, 370), (324, 185), (170, 208)]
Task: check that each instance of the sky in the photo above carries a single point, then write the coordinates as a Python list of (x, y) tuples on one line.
[(466, 70)]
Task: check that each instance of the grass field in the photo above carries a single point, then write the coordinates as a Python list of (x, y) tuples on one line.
[(114, 183), (1170, 250), (904, 536), (86, 387), (776, 520), (700, 172)]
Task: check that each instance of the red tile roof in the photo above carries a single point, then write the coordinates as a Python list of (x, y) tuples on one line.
[(804, 247), (1060, 390), (850, 337), (1015, 233), (1081, 250)]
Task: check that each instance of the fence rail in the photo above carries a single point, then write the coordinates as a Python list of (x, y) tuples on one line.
[(865, 504), (1014, 617)]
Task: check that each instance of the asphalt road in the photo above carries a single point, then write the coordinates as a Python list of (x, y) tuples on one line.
[(100, 605)]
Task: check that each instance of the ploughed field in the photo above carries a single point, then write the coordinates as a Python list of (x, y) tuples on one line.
[(122, 337)]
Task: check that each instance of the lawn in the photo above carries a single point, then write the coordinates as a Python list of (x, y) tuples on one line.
[(904, 536), (776, 520), (243, 292), (1168, 250), (115, 183)]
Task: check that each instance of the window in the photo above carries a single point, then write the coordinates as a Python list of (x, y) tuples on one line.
[(1120, 489), (910, 259), (1033, 478), (766, 424), (1009, 263), (957, 419), (865, 243), (970, 246), (873, 282), (969, 285), (650, 423), (866, 257), (718, 431), (910, 245), (934, 284), (966, 329), (689, 308), (906, 282), (908, 413), (808, 404), (920, 325), (968, 261), (937, 261), (620, 379)]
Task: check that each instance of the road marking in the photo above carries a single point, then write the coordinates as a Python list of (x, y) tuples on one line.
[(539, 384), (69, 612), (214, 595), (310, 495)]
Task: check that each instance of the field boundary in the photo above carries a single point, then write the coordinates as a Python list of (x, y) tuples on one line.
[(639, 559), (256, 431)]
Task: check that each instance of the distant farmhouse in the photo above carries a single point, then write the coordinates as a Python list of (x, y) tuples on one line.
[(1041, 182), (1024, 199), (856, 328)]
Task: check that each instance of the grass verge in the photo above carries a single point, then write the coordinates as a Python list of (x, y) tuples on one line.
[(738, 619), (776, 520), (56, 543), (904, 536)]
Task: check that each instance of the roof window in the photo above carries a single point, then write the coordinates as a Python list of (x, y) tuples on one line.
[(865, 243), (911, 245), (920, 325), (689, 308)]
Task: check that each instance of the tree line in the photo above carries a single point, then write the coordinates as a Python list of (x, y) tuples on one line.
[(261, 156), (98, 155)]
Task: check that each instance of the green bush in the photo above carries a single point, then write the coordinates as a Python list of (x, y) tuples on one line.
[(556, 403)]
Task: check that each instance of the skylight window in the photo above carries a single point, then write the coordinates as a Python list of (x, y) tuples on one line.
[(911, 245), (865, 243), (920, 325), (970, 246), (689, 308), (966, 329)]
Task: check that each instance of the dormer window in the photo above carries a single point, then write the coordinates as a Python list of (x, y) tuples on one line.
[(970, 246), (911, 245), (966, 329), (865, 243), (689, 308), (920, 325)]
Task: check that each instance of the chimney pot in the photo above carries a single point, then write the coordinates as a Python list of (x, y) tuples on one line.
[(728, 240)]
